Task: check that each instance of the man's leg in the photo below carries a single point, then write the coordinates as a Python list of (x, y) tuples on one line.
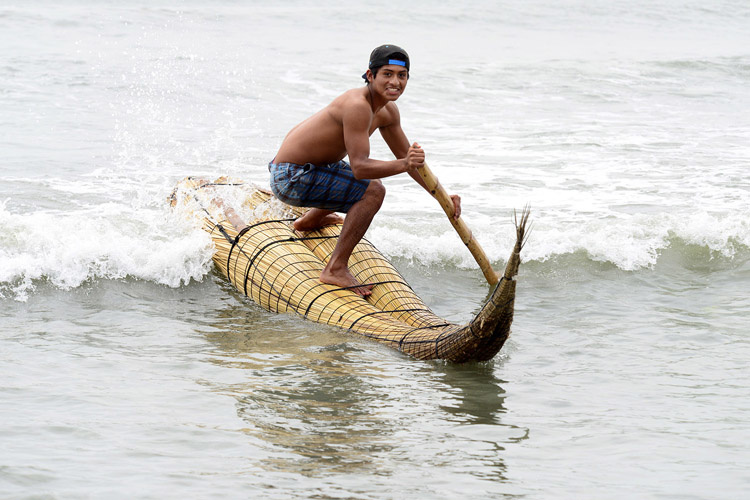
[(315, 218), (357, 221)]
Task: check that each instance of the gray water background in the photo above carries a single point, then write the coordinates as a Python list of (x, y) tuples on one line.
[(130, 369)]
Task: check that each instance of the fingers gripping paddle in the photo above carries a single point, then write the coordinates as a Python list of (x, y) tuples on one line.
[(439, 193)]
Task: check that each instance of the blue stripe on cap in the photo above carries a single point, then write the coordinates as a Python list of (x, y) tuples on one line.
[(396, 62)]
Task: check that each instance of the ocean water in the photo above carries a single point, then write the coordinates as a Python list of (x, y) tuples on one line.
[(130, 369)]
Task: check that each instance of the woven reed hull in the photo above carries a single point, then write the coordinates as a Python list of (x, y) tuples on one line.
[(279, 270)]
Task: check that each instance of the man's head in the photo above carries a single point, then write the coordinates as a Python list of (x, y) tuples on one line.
[(387, 55)]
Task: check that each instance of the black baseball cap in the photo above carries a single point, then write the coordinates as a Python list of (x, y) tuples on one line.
[(388, 54)]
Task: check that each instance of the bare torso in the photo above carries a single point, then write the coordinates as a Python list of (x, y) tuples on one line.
[(320, 139)]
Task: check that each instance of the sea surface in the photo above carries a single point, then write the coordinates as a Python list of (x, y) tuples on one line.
[(130, 369)]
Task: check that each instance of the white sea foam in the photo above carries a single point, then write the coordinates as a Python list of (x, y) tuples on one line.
[(629, 242), (116, 241), (110, 241)]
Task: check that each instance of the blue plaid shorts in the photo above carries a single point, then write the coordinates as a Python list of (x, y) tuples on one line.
[(330, 187)]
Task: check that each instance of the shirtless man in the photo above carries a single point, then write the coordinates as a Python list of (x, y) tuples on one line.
[(309, 170)]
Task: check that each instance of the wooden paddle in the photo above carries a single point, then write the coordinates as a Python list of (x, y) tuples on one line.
[(439, 193)]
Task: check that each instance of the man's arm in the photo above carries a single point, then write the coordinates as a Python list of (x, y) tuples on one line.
[(394, 136), (356, 120)]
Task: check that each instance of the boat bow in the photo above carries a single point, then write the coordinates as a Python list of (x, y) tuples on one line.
[(484, 336)]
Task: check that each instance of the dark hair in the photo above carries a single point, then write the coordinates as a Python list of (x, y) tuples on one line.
[(375, 73), (387, 54)]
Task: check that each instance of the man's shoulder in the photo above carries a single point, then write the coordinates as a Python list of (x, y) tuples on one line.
[(391, 109), (388, 116), (351, 103), (352, 97)]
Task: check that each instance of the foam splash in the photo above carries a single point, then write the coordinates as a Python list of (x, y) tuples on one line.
[(631, 243), (110, 241), (115, 240)]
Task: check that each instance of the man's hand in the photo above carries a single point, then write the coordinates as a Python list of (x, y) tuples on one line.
[(456, 206), (414, 157)]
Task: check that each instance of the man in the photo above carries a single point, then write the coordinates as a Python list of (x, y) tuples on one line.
[(309, 170)]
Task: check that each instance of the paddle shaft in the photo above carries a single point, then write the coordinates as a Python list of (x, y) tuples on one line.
[(439, 193)]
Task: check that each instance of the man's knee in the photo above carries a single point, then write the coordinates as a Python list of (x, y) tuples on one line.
[(376, 189)]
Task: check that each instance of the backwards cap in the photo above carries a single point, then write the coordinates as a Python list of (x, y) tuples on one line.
[(388, 54)]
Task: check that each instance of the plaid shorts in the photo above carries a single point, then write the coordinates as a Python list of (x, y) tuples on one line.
[(330, 187)]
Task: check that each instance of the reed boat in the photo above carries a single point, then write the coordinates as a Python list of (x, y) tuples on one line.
[(278, 268)]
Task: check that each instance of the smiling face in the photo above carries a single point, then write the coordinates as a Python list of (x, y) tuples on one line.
[(390, 81)]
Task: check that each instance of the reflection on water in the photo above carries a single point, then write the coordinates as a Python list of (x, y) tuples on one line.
[(326, 402), (481, 396), (300, 390)]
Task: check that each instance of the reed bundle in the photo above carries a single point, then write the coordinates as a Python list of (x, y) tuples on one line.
[(279, 269)]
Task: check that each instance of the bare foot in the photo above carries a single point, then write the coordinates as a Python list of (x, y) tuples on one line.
[(345, 280), (312, 221)]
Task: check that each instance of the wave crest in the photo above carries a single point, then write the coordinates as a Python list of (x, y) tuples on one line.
[(111, 242)]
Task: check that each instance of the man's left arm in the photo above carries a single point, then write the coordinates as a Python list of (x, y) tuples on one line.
[(394, 136)]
